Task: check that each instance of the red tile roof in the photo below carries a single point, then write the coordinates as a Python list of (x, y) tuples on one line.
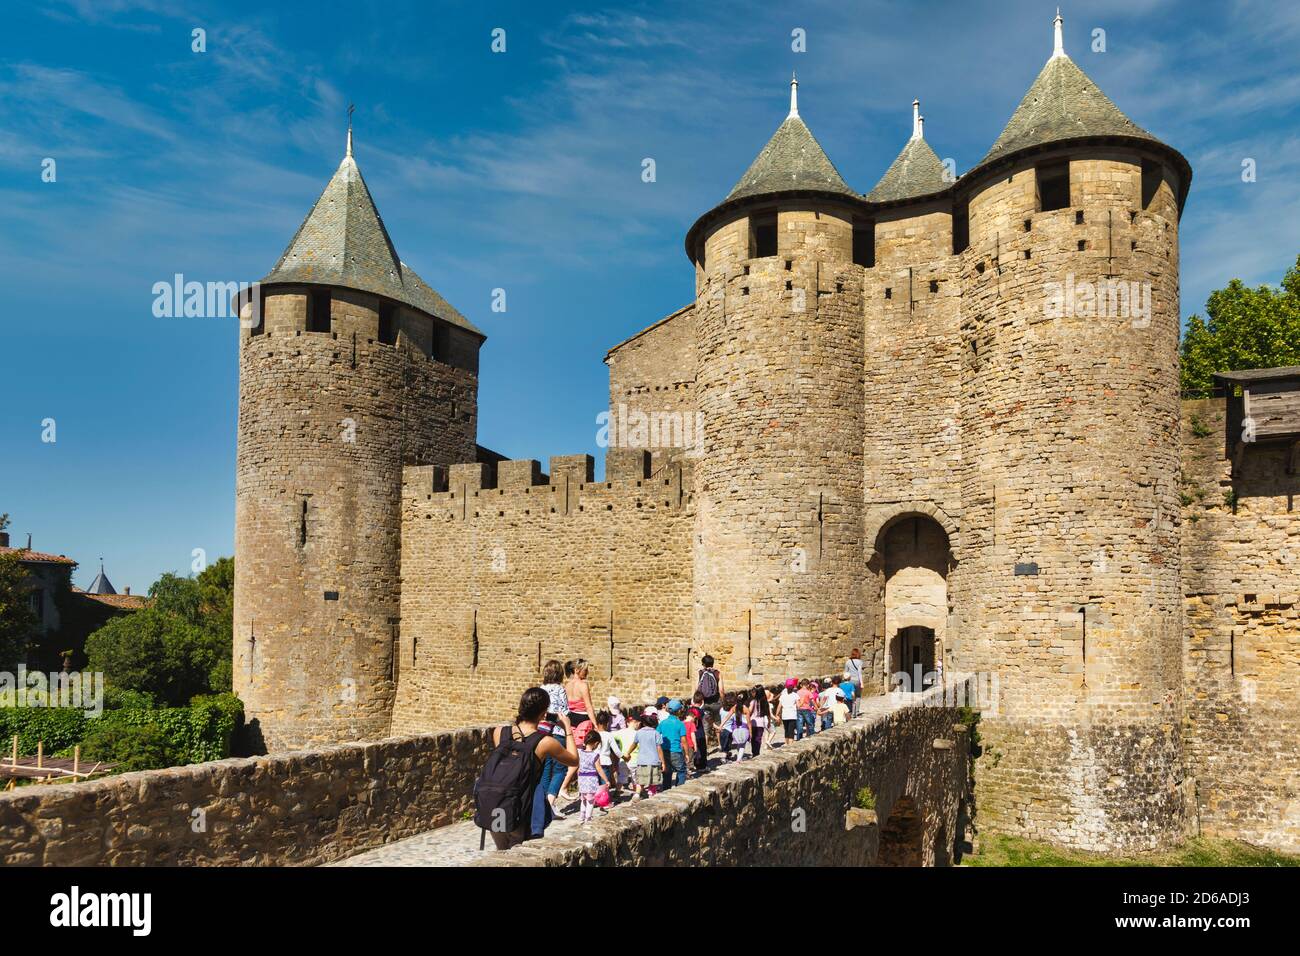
[(130, 602), (38, 557)]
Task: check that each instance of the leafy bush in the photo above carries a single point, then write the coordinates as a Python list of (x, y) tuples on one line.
[(117, 698), (196, 733), (59, 727), (130, 746), (132, 738)]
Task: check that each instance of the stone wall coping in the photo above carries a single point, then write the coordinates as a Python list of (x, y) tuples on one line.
[(286, 761)]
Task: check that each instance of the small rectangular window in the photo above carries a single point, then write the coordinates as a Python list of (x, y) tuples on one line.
[(864, 243), (318, 310), (960, 229), (1152, 176), (441, 343), (261, 315), (388, 323), (762, 235), (1053, 186)]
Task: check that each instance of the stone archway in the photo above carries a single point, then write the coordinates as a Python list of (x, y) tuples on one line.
[(915, 558), (913, 651), (901, 837)]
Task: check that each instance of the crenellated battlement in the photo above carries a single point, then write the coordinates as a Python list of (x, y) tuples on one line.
[(520, 488)]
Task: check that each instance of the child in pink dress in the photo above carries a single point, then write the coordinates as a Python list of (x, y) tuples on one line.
[(590, 774)]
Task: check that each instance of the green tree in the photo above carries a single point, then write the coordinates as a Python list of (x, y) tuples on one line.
[(1246, 328), (17, 622), (178, 646)]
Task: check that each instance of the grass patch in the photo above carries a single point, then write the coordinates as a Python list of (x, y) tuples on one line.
[(1014, 851)]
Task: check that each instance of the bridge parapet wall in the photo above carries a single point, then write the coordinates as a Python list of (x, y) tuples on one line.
[(289, 809), (794, 806)]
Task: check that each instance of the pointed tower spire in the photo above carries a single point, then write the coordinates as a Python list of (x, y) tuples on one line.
[(101, 584), (1058, 40), (917, 171), (1062, 103), (343, 242), (792, 159)]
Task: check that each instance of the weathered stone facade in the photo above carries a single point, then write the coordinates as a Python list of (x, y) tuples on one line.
[(326, 420), (1241, 551), (563, 568), (941, 425)]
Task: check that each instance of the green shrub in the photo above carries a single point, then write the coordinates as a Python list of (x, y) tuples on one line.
[(196, 733), (131, 737), (213, 721), (130, 746), (117, 698), (865, 799), (58, 727)]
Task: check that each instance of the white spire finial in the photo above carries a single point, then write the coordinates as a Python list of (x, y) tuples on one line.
[(351, 108), (1058, 48), (916, 119), (920, 127), (794, 94)]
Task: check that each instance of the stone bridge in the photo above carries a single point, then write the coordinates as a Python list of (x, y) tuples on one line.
[(890, 788)]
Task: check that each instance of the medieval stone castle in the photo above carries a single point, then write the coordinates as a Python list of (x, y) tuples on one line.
[(940, 421)]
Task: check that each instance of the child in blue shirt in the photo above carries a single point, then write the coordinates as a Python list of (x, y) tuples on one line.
[(650, 766)]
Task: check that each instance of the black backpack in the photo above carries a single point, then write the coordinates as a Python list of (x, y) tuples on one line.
[(708, 686), (503, 793)]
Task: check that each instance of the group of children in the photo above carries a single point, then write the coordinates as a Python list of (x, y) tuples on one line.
[(659, 745)]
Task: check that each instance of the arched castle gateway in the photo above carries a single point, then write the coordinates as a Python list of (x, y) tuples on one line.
[(938, 421)]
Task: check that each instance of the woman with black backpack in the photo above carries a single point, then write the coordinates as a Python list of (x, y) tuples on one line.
[(503, 794), (708, 684)]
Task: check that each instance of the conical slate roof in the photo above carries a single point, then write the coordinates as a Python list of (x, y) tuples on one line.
[(343, 242), (792, 159), (1062, 103), (101, 584), (917, 171)]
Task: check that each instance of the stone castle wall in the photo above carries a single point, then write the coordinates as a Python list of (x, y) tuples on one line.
[(778, 557), (289, 809), (1241, 551), (652, 375), (496, 580), (1070, 585), (912, 426), (326, 420)]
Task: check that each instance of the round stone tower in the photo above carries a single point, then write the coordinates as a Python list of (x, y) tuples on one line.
[(778, 558), (1070, 588), (355, 368)]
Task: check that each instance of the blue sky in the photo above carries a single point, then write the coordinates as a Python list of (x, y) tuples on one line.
[(518, 170)]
